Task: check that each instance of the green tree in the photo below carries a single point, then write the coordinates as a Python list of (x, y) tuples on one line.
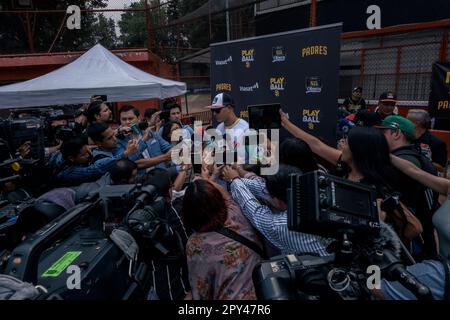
[(105, 32), (198, 30), (44, 28), (133, 32)]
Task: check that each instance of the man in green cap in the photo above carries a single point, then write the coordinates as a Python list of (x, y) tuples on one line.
[(400, 135)]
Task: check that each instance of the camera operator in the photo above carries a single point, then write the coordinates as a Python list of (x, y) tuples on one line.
[(76, 167), (169, 279), (80, 121), (158, 150), (272, 222), (57, 128)]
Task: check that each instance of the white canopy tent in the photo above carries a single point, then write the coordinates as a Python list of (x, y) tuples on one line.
[(96, 72)]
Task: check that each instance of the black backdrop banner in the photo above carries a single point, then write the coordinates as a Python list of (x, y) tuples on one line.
[(299, 69), (440, 95)]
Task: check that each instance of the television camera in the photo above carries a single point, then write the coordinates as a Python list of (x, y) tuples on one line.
[(111, 239), (57, 123), (332, 207), (15, 132)]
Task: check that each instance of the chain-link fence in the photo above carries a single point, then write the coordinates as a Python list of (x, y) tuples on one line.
[(169, 28), (399, 62)]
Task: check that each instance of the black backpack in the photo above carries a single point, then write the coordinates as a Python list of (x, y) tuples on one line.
[(427, 166)]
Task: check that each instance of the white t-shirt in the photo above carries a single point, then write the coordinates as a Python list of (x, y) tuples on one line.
[(236, 131)]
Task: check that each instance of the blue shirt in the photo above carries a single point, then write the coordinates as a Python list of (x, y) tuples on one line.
[(55, 160), (112, 153), (74, 175), (273, 226), (156, 146)]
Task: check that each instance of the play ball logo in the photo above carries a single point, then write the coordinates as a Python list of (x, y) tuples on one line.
[(248, 56), (223, 87), (278, 54), (277, 84), (311, 117)]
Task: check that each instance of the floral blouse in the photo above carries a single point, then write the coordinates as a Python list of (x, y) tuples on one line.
[(221, 268)]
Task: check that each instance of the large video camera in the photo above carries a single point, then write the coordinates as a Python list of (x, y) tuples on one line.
[(323, 204), (131, 215), (16, 132), (60, 126), (57, 123), (331, 207)]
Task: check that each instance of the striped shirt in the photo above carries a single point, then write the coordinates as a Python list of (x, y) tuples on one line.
[(273, 226)]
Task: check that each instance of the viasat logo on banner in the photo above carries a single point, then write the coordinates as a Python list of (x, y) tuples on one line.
[(223, 86), (311, 117), (277, 84), (314, 51), (278, 54), (224, 62), (248, 55), (313, 85), (249, 88)]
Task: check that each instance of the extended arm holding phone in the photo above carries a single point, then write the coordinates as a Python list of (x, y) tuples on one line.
[(328, 153)]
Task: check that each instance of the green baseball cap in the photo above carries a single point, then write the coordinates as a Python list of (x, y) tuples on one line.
[(398, 123)]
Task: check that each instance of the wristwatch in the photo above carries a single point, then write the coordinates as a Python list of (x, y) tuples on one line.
[(231, 181)]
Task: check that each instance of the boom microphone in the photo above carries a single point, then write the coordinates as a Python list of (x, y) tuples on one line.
[(387, 256)]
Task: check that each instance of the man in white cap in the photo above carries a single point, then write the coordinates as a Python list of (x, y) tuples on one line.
[(222, 108)]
